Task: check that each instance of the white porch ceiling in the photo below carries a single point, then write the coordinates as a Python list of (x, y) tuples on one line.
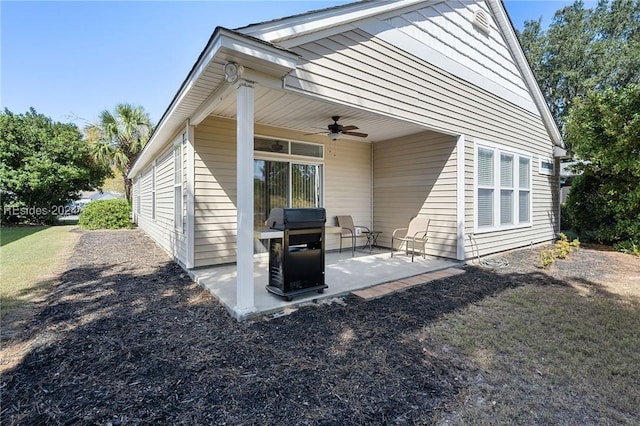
[(293, 111), (297, 112)]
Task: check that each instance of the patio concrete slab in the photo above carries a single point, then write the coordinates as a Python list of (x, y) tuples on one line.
[(343, 275)]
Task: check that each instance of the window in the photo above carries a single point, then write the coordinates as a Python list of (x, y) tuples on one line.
[(524, 190), (546, 166), (284, 184), (506, 189), (153, 191), (177, 186), (138, 195), (503, 189), (286, 179), (485, 187)]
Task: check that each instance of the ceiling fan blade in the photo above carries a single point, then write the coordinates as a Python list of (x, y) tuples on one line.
[(348, 128), (358, 134)]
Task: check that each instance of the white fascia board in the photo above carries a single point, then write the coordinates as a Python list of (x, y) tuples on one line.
[(276, 61), (316, 21), (560, 153), (227, 44), (502, 19)]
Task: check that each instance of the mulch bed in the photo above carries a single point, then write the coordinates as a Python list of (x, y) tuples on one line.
[(126, 338)]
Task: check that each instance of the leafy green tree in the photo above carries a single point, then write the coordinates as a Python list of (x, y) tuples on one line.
[(119, 137), (584, 50), (43, 166), (604, 129)]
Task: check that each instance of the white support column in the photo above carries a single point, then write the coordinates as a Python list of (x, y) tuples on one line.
[(460, 205), (244, 287)]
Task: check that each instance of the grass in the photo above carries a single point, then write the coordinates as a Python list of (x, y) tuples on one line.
[(546, 355), (30, 257)]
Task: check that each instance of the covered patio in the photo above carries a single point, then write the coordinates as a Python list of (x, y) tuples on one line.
[(343, 274)]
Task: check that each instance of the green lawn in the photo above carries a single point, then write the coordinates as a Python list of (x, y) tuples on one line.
[(29, 257), (546, 355)]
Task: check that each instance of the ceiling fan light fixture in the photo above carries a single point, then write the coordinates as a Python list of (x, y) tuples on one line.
[(334, 136)]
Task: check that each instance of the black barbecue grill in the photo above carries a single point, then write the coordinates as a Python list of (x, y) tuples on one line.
[(296, 261)]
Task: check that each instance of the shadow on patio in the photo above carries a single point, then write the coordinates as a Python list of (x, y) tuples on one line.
[(343, 275)]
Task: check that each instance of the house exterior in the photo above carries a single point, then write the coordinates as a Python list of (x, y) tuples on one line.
[(455, 128)]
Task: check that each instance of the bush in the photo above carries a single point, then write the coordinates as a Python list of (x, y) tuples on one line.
[(565, 218), (547, 256), (628, 247), (561, 250), (106, 214)]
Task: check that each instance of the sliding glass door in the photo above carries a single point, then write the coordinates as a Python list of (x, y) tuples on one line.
[(284, 184)]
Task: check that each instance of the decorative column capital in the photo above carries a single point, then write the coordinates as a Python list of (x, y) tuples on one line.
[(244, 83)]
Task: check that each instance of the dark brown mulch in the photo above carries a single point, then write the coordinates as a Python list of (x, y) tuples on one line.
[(126, 338)]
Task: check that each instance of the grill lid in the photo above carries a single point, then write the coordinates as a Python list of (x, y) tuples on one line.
[(282, 219)]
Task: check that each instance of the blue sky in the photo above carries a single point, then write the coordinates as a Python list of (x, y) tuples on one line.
[(71, 60)]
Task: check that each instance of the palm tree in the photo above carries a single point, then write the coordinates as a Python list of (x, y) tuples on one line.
[(119, 138)]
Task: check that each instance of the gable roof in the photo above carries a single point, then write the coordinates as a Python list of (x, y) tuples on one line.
[(316, 24), (264, 47)]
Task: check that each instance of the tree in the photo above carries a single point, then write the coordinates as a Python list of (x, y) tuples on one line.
[(584, 50), (604, 128), (43, 166), (119, 137)]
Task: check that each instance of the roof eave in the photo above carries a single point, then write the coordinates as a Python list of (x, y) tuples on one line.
[(227, 45), (505, 24), (314, 21)]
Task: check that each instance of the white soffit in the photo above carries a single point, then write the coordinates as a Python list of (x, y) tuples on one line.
[(206, 76)]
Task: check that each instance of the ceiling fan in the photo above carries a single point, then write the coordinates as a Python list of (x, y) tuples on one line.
[(336, 130)]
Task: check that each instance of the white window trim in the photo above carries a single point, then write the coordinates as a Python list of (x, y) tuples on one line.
[(517, 154), (544, 171), (297, 159), (270, 155), (290, 160), (154, 200), (178, 227), (138, 197)]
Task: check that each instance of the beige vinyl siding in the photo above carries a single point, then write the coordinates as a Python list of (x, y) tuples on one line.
[(164, 191), (184, 181), (361, 70), (162, 229), (393, 82), (346, 190), (446, 29), (215, 192), (145, 195), (348, 185), (413, 176)]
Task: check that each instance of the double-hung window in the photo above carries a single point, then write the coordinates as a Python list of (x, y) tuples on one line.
[(138, 195), (503, 188)]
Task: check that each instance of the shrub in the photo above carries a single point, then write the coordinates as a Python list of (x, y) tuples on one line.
[(561, 250), (548, 256), (628, 247), (565, 218), (106, 214)]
